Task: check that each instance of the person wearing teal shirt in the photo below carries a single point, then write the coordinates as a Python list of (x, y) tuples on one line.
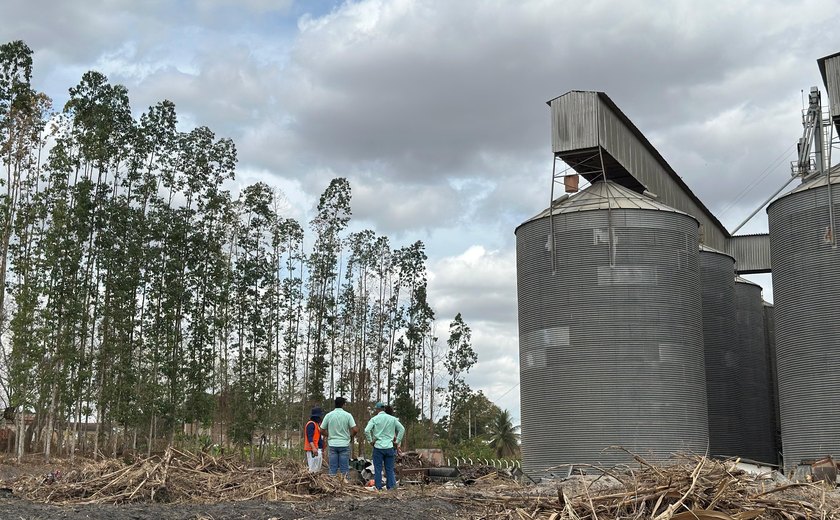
[(385, 433), (339, 427)]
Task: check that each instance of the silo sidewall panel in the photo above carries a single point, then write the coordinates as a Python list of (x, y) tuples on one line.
[(611, 345), (717, 277), (770, 337), (806, 288), (758, 424)]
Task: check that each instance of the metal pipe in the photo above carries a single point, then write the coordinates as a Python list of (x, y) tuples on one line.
[(831, 227), (551, 214), (610, 236), (766, 202)]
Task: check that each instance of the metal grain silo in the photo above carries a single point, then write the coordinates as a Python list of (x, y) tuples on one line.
[(723, 366), (611, 340), (757, 422), (770, 338), (806, 289)]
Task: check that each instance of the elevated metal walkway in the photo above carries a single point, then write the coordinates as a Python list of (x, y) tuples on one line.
[(596, 139)]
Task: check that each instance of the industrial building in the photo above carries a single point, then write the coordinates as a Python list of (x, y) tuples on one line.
[(636, 332)]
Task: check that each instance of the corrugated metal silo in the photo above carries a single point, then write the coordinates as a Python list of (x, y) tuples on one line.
[(717, 281), (611, 343), (806, 288), (770, 338), (757, 423)]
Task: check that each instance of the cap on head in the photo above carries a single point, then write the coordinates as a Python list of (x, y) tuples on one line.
[(316, 412), (379, 405)]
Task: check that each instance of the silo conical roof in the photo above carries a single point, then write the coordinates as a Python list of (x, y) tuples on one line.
[(602, 195)]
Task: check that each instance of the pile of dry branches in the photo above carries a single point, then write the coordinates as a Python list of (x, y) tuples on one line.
[(178, 476), (688, 488), (477, 472), (691, 488)]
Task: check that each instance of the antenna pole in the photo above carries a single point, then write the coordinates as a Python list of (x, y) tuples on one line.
[(551, 247)]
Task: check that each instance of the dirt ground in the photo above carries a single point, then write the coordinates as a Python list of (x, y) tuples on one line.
[(179, 485), (392, 507), (403, 504)]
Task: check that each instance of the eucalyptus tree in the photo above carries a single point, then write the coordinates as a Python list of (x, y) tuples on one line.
[(206, 164), (254, 275), (290, 232), (380, 313), (90, 147), (418, 319), (333, 215), (460, 357), (25, 282), (357, 309), (158, 145), (341, 373), (23, 113)]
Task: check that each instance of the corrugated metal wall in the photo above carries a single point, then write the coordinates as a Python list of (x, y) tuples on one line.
[(620, 142), (574, 118), (752, 252), (610, 354), (723, 367), (579, 119), (770, 337), (832, 83), (757, 421), (806, 288)]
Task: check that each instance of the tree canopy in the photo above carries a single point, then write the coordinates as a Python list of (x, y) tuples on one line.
[(143, 296)]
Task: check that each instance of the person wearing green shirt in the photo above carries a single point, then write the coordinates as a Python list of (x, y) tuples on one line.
[(385, 433), (339, 428)]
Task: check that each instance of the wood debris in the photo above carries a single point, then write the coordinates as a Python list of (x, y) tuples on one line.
[(689, 488), (178, 476)]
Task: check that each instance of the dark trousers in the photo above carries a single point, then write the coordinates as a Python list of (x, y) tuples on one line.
[(386, 456)]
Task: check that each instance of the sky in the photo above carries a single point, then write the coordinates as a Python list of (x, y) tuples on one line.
[(435, 110)]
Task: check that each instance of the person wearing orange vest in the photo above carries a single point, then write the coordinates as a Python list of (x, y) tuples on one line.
[(313, 442)]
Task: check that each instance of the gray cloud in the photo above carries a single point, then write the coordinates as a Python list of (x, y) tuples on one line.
[(435, 110)]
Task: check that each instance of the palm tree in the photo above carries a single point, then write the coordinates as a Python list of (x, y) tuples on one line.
[(504, 436)]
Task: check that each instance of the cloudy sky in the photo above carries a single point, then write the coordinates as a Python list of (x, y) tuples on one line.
[(435, 110)]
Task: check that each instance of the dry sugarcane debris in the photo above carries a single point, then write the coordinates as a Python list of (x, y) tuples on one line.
[(689, 488), (179, 477), (477, 472)]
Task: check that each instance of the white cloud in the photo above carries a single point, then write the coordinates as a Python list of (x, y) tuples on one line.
[(478, 283)]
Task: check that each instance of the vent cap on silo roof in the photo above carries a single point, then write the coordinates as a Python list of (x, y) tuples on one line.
[(603, 195)]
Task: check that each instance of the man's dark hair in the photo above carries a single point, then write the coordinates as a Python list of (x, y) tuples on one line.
[(339, 402)]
